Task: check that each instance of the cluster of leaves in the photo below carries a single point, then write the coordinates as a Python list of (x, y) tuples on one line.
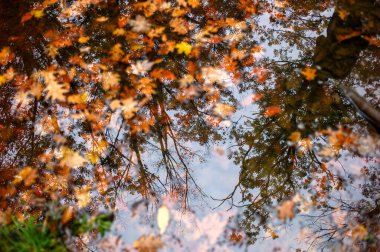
[(102, 96)]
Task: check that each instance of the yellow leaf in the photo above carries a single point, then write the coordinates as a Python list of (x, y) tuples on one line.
[(119, 32), (183, 47), (83, 39), (193, 3), (83, 196), (78, 98), (102, 19), (71, 158), (359, 232), (27, 175), (309, 73), (224, 109), (163, 218), (2, 80), (38, 13), (343, 14)]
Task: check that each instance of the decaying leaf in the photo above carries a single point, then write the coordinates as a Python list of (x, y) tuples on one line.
[(148, 243)]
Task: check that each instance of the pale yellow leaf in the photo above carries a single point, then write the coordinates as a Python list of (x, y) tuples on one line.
[(163, 218)]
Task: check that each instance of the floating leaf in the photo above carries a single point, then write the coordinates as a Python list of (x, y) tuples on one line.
[(183, 47), (286, 210), (163, 218), (309, 73), (148, 244), (272, 111)]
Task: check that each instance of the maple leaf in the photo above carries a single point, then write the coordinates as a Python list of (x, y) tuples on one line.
[(119, 32), (55, 90), (179, 26), (163, 218), (343, 14), (193, 3), (78, 98), (110, 80), (142, 67), (280, 4), (183, 47), (216, 75), (224, 109), (272, 111), (128, 107), (329, 152), (148, 244), (140, 24), (286, 210), (83, 196), (27, 174), (116, 52), (359, 232), (260, 73), (71, 158), (6, 56), (163, 74), (309, 73), (235, 237)]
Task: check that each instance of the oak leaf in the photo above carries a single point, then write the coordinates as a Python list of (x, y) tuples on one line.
[(54, 89)]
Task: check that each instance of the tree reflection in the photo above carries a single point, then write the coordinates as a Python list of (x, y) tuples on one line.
[(101, 97)]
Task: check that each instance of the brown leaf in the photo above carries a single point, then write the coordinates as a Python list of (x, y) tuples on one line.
[(148, 244)]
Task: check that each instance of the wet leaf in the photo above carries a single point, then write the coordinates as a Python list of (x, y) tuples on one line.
[(163, 218), (148, 243), (309, 73)]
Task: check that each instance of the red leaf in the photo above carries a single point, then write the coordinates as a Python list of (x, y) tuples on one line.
[(272, 111), (26, 17), (163, 74)]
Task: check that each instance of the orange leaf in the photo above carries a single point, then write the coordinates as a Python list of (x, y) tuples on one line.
[(26, 17), (348, 36), (67, 215), (309, 73), (163, 74), (272, 111)]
